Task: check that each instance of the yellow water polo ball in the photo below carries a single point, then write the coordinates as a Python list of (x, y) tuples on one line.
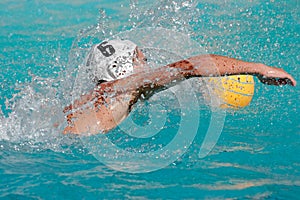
[(234, 91)]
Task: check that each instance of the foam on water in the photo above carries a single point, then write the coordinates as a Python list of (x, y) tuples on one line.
[(36, 118)]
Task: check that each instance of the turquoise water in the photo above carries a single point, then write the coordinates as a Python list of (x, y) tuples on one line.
[(256, 155)]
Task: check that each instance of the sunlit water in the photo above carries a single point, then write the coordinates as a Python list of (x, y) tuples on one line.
[(255, 157)]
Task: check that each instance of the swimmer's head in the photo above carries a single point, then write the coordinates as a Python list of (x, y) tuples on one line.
[(113, 59)]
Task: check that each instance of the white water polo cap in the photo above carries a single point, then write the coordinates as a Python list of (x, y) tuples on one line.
[(111, 60)]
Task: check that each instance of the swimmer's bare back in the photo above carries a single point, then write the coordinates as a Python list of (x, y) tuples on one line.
[(110, 102)]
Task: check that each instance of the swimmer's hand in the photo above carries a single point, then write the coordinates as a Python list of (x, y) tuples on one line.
[(275, 76)]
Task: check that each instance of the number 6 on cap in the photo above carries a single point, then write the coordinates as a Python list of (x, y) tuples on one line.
[(107, 50)]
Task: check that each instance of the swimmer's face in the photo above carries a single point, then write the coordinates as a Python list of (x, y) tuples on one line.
[(139, 60)]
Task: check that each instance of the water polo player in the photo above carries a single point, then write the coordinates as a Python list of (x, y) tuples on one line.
[(121, 76)]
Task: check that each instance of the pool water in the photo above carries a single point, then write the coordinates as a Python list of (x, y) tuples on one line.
[(255, 157)]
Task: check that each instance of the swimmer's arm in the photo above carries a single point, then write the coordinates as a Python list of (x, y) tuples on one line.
[(85, 98), (198, 66), (216, 65)]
